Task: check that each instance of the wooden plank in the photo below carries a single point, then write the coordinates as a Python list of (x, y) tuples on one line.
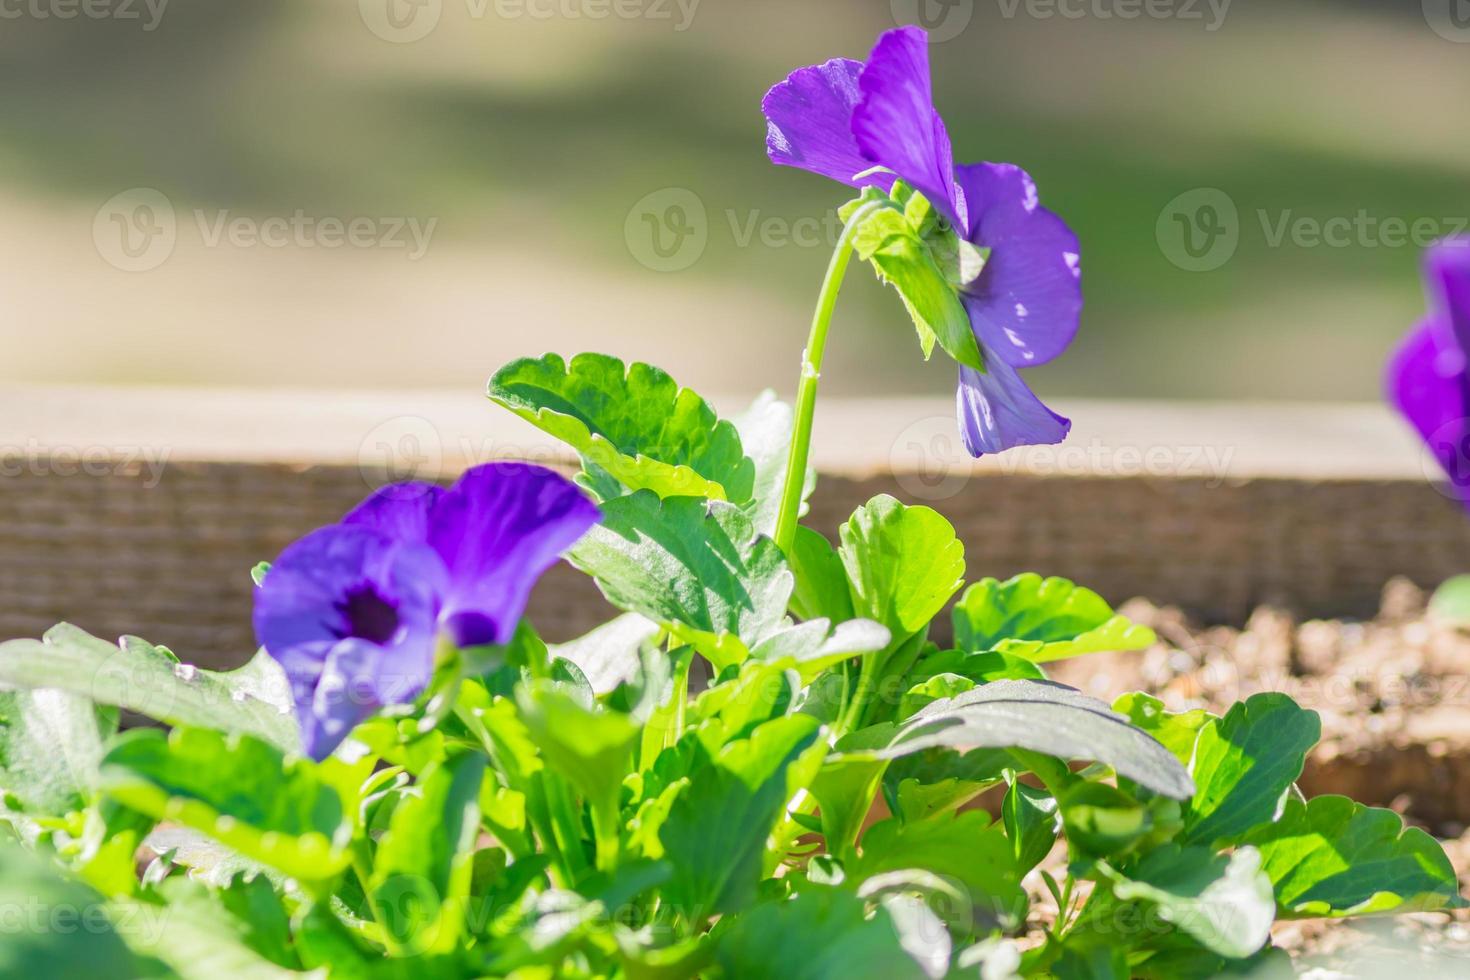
[(143, 510)]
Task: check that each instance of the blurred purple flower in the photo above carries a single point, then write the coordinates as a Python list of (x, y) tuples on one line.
[(844, 118), (1428, 376), (353, 612)]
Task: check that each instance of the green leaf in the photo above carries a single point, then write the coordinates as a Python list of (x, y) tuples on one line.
[(967, 848), (1333, 857), (696, 568), (921, 932), (716, 830), (1102, 820), (327, 945), (634, 422), (941, 779), (819, 934), (611, 654), (765, 431), (1224, 902), (821, 581), (208, 861), (1451, 601), (238, 790), (134, 674), (903, 563), (1244, 765), (421, 876), (900, 257), (809, 649), (50, 746), (65, 933), (546, 930), (238, 930), (591, 748), (1047, 718), (1177, 732), (844, 789), (1187, 960), (1090, 957), (935, 688), (982, 668), (1042, 620), (1031, 822)]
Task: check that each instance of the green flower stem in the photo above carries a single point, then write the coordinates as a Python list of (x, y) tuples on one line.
[(811, 373), (852, 717), (606, 824), (565, 827)]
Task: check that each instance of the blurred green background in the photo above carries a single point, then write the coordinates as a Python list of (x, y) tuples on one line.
[(541, 136)]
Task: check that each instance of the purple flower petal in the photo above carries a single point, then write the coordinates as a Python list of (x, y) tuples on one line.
[(399, 510), (1027, 302), (896, 125), (809, 121), (498, 529), (349, 602), (998, 412), (344, 695), (1430, 390), (1447, 268)]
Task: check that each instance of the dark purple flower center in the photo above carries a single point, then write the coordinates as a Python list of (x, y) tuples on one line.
[(369, 616)]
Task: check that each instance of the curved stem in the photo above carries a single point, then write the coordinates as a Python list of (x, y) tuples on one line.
[(853, 715), (811, 373)]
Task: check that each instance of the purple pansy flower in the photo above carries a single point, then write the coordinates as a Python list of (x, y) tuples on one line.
[(1428, 376), (844, 118), (353, 612)]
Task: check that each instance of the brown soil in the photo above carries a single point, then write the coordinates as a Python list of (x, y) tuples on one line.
[(1394, 696)]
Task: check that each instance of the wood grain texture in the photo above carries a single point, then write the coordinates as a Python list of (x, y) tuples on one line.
[(142, 512)]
